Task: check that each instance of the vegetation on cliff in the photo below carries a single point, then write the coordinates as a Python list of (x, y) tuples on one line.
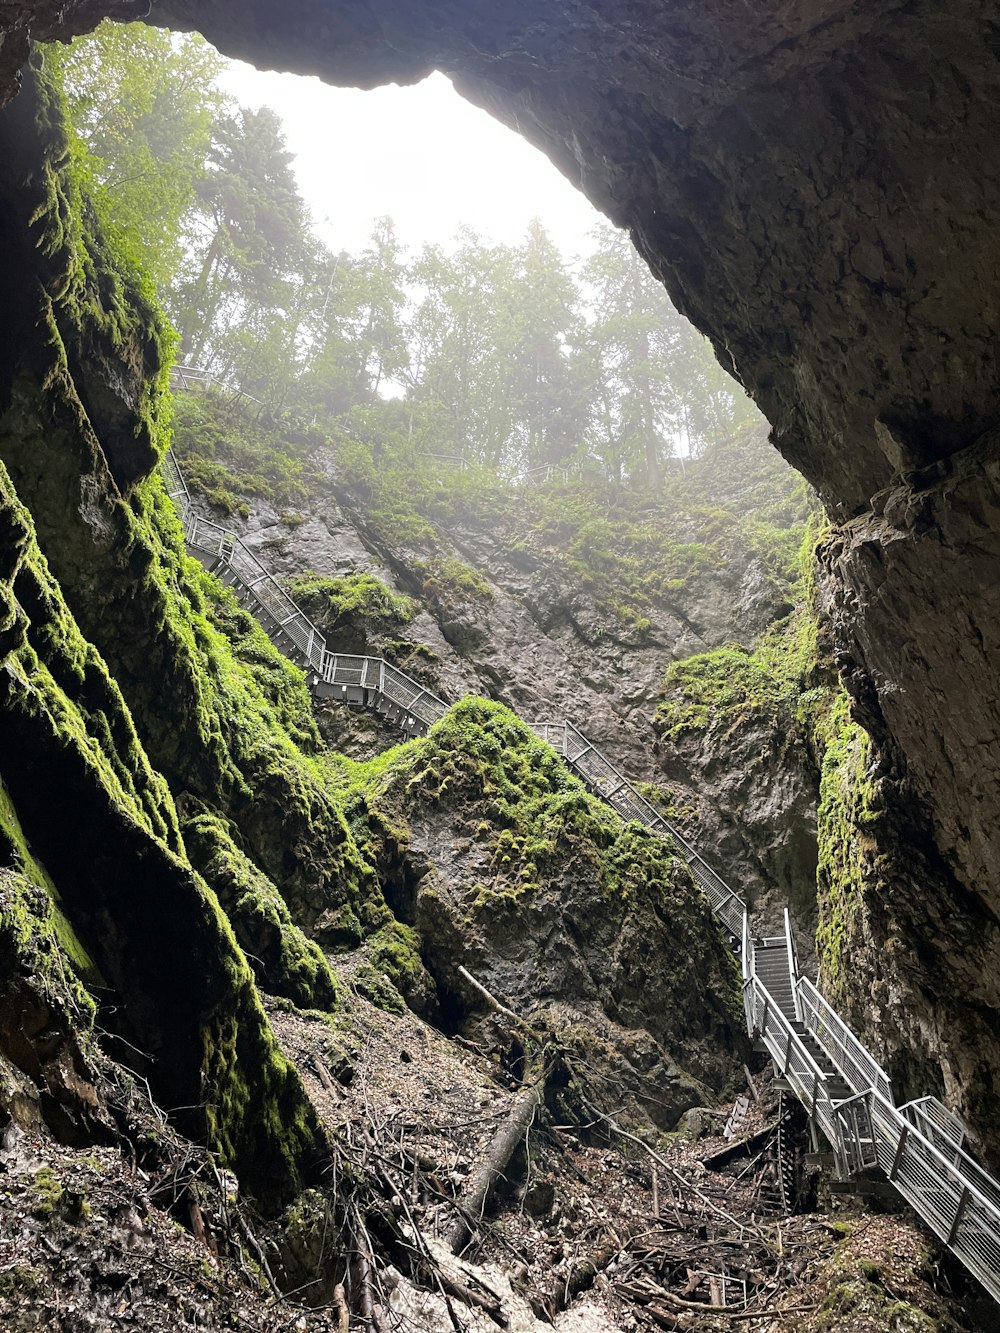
[(69, 739), (211, 863)]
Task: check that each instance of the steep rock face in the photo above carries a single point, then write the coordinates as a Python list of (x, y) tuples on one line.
[(85, 817), (564, 602), (502, 865), (754, 779), (919, 656), (574, 599), (817, 187)]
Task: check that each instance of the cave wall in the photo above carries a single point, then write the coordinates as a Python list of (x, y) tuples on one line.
[(817, 186)]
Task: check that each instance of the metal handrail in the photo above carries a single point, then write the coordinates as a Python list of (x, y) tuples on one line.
[(942, 1126), (792, 1057), (855, 1063), (611, 784), (917, 1146), (183, 377), (949, 1196)]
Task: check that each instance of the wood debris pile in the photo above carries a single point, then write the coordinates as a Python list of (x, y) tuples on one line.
[(458, 1198), (700, 1232)]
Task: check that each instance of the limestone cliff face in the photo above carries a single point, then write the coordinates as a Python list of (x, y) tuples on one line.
[(498, 862), (816, 186), (173, 837), (919, 656), (561, 601)]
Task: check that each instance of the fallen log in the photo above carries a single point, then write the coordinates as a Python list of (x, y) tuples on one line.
[(482, 1180), (547, 1302)]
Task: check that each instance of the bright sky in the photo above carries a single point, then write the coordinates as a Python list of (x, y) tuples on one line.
[(422, 155)]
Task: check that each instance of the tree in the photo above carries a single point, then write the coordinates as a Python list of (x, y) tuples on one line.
[(252, 243), (142, 102), (354, 328), (632, 338), (462, 342), (658, 387), (547, 396)]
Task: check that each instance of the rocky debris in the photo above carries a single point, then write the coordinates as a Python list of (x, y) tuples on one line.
[(591, 1232), (592, 1229), (144, 1233)]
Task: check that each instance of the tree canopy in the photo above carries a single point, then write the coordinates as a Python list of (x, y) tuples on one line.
[(504, 356)]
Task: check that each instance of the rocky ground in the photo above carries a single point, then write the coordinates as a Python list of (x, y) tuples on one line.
[(588, 1231)]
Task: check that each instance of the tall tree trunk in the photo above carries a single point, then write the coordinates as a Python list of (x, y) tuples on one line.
[(192, 323)]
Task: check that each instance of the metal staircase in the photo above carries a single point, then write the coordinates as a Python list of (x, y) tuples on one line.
[(848, 1096)]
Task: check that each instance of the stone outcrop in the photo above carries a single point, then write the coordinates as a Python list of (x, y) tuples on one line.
[(501, 864)]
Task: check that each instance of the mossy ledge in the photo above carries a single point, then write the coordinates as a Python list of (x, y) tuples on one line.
[(502, 862)]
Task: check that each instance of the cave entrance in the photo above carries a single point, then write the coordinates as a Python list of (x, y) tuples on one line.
[(323, 251)]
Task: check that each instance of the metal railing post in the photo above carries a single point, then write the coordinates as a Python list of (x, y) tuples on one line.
[(792, 965)]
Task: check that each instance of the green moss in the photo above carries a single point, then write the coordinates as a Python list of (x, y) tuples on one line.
[(16, 854), (393, 953), (847, 833), (286, 962), (16, 1281), (518, 800), (86, 388), (258, 1118), (351, 610), (446, 582), (94, 286), (866, 1288), (48, 1192), (416, 659), (377, 988), (229, 455), (667, 801), (32, 931), (779, 681)]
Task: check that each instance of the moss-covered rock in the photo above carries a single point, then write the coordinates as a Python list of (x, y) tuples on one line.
[(355, 612), (82, 374), (285, 962), (217, 708), (47, 1050), (504, 865), (880, 1276), (743, 729)]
